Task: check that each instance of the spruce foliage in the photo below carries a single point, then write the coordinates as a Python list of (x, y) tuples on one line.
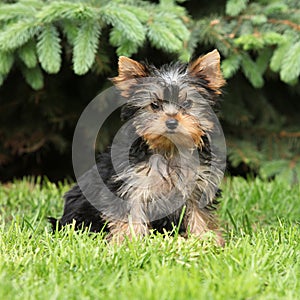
[(259, 42), (45, 24)]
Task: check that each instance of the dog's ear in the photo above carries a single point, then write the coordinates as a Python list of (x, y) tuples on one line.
[(129, 69), (208, 68)]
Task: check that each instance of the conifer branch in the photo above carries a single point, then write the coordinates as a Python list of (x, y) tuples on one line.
[(285, 22), (85, 47)]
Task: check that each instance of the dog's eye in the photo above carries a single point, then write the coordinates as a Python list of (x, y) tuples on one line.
[(155, 105), (186, 104)]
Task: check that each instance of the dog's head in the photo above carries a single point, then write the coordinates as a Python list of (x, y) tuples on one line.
[(171, 105)]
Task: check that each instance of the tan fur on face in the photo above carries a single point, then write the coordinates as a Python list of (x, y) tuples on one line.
[(192, 128), (187, 134)]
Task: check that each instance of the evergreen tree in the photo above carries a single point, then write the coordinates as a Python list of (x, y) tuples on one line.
[(259, 42)]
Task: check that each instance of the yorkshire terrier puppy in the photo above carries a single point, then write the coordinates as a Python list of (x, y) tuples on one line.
[(173, 175)]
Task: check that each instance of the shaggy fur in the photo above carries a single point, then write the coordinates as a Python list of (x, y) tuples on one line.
[(171, 164)]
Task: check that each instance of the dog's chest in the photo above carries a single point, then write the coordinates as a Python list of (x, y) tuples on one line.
[(155, 179)]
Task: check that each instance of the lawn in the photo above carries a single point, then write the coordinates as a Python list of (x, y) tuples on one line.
[(261, 259)]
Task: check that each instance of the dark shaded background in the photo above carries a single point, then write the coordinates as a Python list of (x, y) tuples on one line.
[(36, 127)]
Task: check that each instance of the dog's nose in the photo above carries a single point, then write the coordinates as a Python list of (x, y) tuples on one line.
[(172, 123)]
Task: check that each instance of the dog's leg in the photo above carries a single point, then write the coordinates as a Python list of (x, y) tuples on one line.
[(200, 221), (134, 226)]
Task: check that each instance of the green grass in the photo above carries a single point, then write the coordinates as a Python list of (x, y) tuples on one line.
[(260, 261)]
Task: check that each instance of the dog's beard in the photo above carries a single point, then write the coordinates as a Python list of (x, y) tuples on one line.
[(158, 137)]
